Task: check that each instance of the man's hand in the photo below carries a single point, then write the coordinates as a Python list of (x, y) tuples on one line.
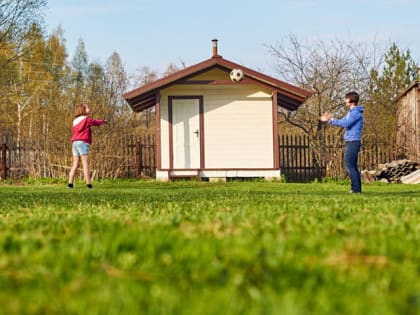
[(327, 116)]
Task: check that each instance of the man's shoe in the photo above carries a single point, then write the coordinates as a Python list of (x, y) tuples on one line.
[(70, 186)]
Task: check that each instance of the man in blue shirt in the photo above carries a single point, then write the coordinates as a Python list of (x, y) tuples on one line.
[(353, 122)]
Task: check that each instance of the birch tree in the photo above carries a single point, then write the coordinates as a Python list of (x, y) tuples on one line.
[(25, 84), (17, 18)]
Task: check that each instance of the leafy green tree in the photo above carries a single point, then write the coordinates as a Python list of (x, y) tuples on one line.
[(398, 71)]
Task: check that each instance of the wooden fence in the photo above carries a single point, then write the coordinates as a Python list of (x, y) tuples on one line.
[(127, 157), (130, 157), (297, 159), (303, 161)]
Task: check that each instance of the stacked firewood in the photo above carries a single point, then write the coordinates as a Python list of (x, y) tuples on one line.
[(392, 172)]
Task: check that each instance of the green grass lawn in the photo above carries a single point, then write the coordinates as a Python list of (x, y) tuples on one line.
[(129, 247)]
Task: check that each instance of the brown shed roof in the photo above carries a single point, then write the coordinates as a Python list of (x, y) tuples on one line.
[(412, 85), (288, 96)]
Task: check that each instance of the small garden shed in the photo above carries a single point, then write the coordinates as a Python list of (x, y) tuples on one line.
[(211, 127), (408, 127)]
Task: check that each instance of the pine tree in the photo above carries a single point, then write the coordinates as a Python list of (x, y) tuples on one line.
[(398, 71), (80, 66)]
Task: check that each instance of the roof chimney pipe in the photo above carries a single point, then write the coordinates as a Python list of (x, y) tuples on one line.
[(215, 48)]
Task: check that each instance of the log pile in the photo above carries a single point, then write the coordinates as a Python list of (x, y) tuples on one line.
[(392, 172)]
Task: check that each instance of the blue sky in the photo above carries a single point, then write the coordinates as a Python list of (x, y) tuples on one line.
[(154, 33)]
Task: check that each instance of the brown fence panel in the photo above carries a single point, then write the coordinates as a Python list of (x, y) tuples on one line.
[(124, 157), (15, 160), (297, 160), (3, 159), (146, 162), (302, 162)]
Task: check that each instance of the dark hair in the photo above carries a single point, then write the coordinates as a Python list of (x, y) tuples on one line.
[(353, 97), (80, 110)]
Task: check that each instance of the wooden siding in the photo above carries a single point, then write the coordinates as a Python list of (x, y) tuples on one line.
[(164, 131), (213, 74), (237, 125), (408, 136), (239, 131)]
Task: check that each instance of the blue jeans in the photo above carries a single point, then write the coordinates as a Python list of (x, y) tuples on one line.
[(350, 161)]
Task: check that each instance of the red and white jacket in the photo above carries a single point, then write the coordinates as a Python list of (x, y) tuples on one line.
[(81, 128)]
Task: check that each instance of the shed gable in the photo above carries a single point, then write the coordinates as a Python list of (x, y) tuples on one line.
[(216, 71)]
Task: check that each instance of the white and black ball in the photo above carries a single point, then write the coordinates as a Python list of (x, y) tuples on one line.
[(236, 75)]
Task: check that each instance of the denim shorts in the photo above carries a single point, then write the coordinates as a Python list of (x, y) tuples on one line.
[(80, 148)]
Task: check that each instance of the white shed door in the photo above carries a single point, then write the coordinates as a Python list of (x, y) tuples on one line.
[(186, 133)]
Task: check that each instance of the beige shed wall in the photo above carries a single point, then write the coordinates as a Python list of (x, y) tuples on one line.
[(238, 127), (164, 132)]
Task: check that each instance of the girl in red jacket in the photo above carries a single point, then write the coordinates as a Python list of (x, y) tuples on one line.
[(81, 140)]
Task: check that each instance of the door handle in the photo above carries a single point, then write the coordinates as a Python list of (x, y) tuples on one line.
[(197, 132)]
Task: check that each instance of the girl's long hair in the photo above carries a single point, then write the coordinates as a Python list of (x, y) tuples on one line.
[(80, 110)]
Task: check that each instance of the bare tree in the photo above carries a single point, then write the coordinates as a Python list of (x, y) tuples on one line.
[(329, 69), (144, 75), (116, 82), (172, 68)]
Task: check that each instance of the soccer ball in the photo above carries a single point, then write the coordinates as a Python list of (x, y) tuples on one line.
[(236, 75)]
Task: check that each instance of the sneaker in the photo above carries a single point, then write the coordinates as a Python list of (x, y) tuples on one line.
[(89, 186), (70, 186), (354, 192)]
